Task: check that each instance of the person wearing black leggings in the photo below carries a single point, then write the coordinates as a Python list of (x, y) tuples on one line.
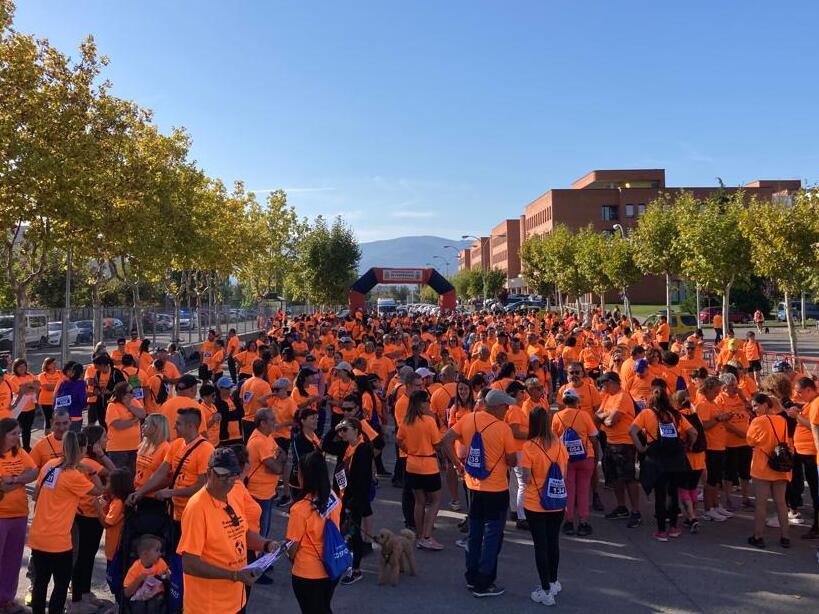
[(545, 528)]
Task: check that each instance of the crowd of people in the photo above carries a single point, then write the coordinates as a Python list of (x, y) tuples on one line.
[(525, 416)]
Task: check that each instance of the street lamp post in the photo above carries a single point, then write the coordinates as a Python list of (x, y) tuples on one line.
[(626, 302), (483, 272), (445, 261)]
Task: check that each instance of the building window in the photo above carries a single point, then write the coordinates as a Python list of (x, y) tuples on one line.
[(629, 210), (610, 213), (641, 208)]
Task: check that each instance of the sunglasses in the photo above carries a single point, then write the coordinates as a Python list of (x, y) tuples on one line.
[(234, 519), (343, 429), (348, 408)]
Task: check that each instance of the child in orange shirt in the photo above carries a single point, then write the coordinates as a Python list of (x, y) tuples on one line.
[(143, 582), (111, 512)]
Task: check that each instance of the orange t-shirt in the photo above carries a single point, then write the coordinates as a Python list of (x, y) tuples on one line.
[(260, 482), (764, 433), (538, 461), (441, 400), (516, 415), (114, 519), (148, 462), (253, 511), (49, 447), (497, 443), (306, 527), (740, 418), (46, 397), (217, 537), (649, 424), (285, 412), (419, 439), (715, 436), (137, 569), (14, 503), (624, 404), (255, 393), (56, 507), (803, 436), (195, 465), (589, 396), (338, 390), (172, 406), (121, 440), (86, 506), (582, 424), (29, 399)]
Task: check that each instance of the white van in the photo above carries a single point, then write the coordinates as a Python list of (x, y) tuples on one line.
[(386, 306), (36, 330)]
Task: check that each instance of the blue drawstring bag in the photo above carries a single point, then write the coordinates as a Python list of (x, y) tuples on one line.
[(475, 464), (553, 494), (680, 384), (336, 557), (574, 445)]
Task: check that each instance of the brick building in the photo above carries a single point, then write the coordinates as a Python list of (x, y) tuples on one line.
[(602, 198)]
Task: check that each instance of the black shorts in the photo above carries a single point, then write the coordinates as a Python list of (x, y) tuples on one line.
[(738, 463), (618, 462), (715, 466), (754, 365), (283, 443), (428, 482), (690, 479)]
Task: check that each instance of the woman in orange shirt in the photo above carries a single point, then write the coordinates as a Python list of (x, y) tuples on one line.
[(518, 421), (543, 450), (156, 436), (305, 529), (767, 431), (26, 387), (123, 415), (62, 484), (418, 437), (49, 378), (16, 470)]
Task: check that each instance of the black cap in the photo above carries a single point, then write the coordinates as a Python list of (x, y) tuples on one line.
[(225, 462), (186, 381)]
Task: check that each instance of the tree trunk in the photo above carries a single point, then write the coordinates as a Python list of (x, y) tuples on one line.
[(627, 305), (668, 296), (699, 308), (21, 302), (175, 299), (802, 308), (559, 300), (96, 313), (602, 302), (791, 331), (137, 310), (726, 300)]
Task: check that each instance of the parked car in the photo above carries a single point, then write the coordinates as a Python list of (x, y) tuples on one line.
[(162, 321), (55, 333), (735, 316), (681, 323), (188, 321), (85, 331), (524, 305), (36, 331), (112, 328), (811, 311)]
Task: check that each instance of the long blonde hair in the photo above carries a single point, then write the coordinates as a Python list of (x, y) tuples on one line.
[(159, 433)]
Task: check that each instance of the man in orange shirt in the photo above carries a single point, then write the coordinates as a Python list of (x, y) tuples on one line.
[(716, 322), (663, 333), (255, 394), (753, 354), (489, 495), (185, 398), (231, 349), (616, 414), (266, 465)]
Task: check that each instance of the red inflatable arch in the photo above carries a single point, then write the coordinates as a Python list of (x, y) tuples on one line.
[(376, 276)]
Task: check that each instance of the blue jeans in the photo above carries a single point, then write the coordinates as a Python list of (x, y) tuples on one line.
[(487, 518), (264, 521)]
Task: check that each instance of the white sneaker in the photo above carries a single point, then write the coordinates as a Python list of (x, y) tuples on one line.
[(699, 495), (540, 596), (723, 512), (772, 522), (555, 588), (461, 543), (794, 517), (714, 515)]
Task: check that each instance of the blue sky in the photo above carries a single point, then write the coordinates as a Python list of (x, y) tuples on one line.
[(429, 117)]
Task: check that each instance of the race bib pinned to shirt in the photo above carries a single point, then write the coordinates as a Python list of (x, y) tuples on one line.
[(50, 480), (341, 479), (63, 401), (139, 394), (247, 396), (668, 430)]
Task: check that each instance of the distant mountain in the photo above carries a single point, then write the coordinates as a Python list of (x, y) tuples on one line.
[(410, 252)]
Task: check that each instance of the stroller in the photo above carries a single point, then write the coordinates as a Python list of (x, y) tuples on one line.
[(149, 517)]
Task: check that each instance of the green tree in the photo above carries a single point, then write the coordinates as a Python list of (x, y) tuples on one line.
[(327, 263), (653, 240), (493, 281), (619, 267), (590, 256), (428, 295), (714, 253), (534, 272), (783, 243)]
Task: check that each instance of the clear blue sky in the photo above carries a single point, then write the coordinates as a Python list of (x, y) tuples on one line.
[(444, 117)]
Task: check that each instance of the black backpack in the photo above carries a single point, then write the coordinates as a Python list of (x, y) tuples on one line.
[(700, 444), (162, 395), (781, 457)]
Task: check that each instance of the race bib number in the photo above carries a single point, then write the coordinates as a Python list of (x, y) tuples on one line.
[(206, 355), (139, 394), (341, 479), (51, 479), (332, 503), (63, 401), (668, 430), (575, 447), (247, 396), (556, 488)]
